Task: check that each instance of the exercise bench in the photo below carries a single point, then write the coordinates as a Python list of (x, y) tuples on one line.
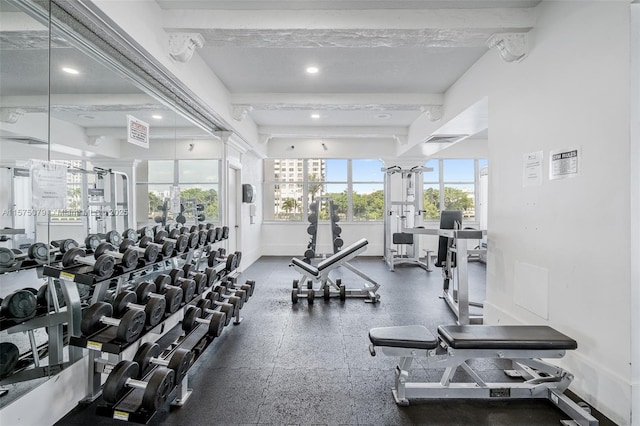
[(327, 286), (525, 346)]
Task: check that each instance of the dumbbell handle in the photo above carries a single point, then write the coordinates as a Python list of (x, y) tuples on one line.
[(133, 383), (115, 254), (135, 306), (156, 295), (86, 260), (203, 321), (160, 361), (110, 321)]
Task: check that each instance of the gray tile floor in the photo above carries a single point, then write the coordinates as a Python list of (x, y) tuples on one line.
[(309, 364)]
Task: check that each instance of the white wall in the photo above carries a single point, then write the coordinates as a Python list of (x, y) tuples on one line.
[(571, 91), (252, 173)]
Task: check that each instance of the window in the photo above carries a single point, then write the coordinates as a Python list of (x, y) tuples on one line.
[(354, 186), (197, 180), (451, 184), (76, 181)]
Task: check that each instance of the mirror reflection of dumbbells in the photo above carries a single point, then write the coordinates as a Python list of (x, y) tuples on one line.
[(176, 279), (103, 265), (149, 253), (154, 308), (148, 356), (19, 305), (100, 314), (42, 253), (128, 259), (213, 299), (195, 316), (122, 379), (9, 357), (93, 240), (173, 296)]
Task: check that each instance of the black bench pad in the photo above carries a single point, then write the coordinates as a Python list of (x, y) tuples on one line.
[(310, 269), (337, 257), (537, 337), (403, 336)]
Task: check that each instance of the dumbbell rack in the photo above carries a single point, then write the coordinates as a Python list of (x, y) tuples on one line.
[(312, 229)]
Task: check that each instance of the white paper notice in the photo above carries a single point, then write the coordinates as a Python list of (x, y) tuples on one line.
[(532, 175), (563, 164), (48, 185), (137, 132)]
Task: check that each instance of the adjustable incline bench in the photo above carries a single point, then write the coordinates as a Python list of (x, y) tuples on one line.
[(320, 274), (524, 346)]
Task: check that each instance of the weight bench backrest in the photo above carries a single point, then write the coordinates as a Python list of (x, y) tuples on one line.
[(345, 252), (531, 337), (448, 219), (301, 264)]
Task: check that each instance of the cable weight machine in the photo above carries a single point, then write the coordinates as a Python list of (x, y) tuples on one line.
[(400, 245)]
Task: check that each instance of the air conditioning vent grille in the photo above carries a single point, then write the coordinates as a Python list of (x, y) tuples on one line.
[(444, 138)]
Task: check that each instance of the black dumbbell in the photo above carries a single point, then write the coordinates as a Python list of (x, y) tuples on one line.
[(148, 355), (156, 390), (100, 314), (225, 232), (93, 240), (173, 296), (231, 263), (166, 248), (43, 253), (181, 241), (128, 259), (11, 258), (248, 286), (203, 279), (213, 299), (43, 296), (149, 253), (20, 304), (154, 308), (9, 354), (176, 280), (145, 231), (193, 317), (102, 266), (236, 298)]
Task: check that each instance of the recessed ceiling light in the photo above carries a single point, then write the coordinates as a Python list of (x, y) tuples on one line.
[(315, 116), (70, 70), (312, 70), (86, 116), (157, 116), (383, 116)]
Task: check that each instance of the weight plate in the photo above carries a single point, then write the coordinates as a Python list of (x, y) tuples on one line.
[(181, 219), (309, 284), (102, 248), (92, 241), (104, 265), (167, 248), (131, 325), (145, 241), (238, 259), (309, 254), (343, 292), (158, 388), (114, 238), (121, 302), (338, 242), (237, 304), (211, 235), (182, 242), (218, 234), (143, 291), (230, 261), (202, 217), (115, 386), (143, 357), (327, 293), (173, 299), (68, 244), (19, 304), (188, 289), (296, 283), (225, 232), (9, 354), (194, 240), (130, 234), (335, 218), (189, 321), (69, 258), (202, 238), (154, 310), (201, 282), (218, 320), (161, 281), (151, 253), (161, 235), (294, 295), (311, 229), (311, 294), (211, 276), (130, 258), (313, 218), (7, 258), (213, 296), (39, 252), (203, 305), (188, 269), (227, 309), (336, 230), (175, 274), (180, 363), (146, 231), (92, 315), (125, 244), (175, 233)]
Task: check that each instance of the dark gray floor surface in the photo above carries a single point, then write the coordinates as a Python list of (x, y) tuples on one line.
[(310, 364)]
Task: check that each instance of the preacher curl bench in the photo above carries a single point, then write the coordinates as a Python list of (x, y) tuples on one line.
[(525, 346), (320, 274)]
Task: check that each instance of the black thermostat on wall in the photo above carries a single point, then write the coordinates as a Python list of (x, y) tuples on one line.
[(248, 193)]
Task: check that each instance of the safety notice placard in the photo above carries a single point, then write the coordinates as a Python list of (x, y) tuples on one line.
[(137, 132), (48, 185), (532, 171), (563, 164)]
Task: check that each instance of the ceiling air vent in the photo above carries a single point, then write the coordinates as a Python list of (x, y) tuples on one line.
[(25, 139), (444, 138)]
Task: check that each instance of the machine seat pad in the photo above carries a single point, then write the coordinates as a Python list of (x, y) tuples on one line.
[(310, 269), (403, 336), (337, 257), (538, 337)]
